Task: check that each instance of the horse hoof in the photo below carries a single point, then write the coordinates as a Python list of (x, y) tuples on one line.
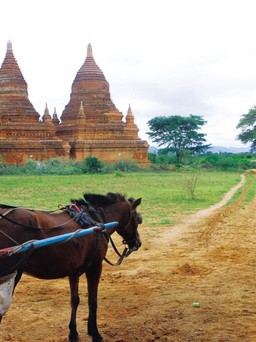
[(74, 338), (98, 339)]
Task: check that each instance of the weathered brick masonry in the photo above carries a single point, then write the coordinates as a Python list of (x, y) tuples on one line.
[(90, 124)]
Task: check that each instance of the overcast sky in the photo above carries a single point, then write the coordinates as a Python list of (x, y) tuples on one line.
[(162, 57)]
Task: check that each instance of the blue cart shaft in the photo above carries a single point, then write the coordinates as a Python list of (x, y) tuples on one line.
[(59, 238)]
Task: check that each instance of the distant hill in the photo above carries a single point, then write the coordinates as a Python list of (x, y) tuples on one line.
[(213, 149), (153, 149), (218, 149)]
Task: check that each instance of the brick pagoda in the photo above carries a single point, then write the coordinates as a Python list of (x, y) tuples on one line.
[(93, 125), (22, 135)]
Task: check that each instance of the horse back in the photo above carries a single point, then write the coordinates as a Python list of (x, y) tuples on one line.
[(55, 261)]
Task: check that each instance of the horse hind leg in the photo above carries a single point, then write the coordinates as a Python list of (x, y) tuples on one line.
[(74, 284)]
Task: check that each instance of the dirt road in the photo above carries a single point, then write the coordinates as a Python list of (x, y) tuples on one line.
[(210, 258)]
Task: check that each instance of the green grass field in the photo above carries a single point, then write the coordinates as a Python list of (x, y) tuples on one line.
[(165, 195)]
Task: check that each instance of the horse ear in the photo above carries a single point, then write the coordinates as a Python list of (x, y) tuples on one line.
[(136, 203)]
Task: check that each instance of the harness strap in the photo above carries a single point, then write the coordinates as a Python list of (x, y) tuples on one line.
[(100, 221), (31, 227), (119, 261), (5, 206)]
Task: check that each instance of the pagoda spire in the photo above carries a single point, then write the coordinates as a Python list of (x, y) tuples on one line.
[(130, 126), (9, 45), (55, 119), (90, 87), (10, 72), (47, 117), (129, 117), (89, 51), (15, 104), (89, 70)]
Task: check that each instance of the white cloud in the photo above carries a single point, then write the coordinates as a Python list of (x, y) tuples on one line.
[(163, 57)]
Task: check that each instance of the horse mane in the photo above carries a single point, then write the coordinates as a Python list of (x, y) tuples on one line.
[(100, 200)]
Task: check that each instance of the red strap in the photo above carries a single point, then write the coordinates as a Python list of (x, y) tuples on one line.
[(6, 250)]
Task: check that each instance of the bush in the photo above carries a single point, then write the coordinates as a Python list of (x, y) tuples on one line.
[(92, 165), (125, 166), (226, 161), (58, 166), (159, 162), (190, 182)]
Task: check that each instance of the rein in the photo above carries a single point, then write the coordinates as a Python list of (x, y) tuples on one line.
[(126, 252), (121, 256)]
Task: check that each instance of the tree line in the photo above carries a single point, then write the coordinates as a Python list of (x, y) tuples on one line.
[(183, 145), (178, 135)]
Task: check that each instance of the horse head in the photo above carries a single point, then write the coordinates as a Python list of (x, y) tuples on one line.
[(129, 221), (122, 210), (129, 231)]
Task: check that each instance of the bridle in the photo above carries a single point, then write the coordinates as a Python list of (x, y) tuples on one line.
[(127, 251), (131, 216)]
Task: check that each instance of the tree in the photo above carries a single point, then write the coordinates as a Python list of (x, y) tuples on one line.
[(178, 134), (247, 124)]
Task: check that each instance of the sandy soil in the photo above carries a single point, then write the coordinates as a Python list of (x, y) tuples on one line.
[(209, 258)]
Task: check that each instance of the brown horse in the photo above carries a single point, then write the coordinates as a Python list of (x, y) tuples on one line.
[(74, 257)]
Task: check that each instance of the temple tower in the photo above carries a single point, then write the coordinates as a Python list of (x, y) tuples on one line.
[(131, 128), (55, 119), (93, 125), (22, 135)]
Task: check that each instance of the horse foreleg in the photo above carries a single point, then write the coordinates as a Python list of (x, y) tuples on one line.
[(93, 278), (73, 283)]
